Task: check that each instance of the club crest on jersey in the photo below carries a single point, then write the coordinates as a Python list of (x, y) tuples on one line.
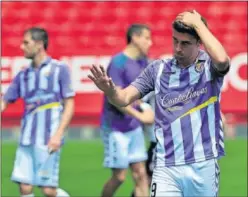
[(47, 73), (199, 67)]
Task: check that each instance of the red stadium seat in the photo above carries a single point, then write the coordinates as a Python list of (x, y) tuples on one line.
[(98, 21)]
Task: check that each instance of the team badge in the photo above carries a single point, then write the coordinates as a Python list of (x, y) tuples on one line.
[(47, 73), (199, 67)]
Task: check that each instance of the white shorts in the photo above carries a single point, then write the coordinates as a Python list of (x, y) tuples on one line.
[(122, 149), (192, 180), (35, 166)]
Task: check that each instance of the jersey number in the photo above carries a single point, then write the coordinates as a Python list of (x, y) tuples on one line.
[(153, 190)]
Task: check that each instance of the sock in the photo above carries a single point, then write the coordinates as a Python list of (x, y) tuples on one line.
[(28, 195), (62, 193)]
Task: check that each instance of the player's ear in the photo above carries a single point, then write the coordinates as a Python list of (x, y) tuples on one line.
[(135, 38), (199, 43), (40, 44)]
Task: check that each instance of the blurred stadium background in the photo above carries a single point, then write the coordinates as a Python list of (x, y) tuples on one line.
[(83, 33)]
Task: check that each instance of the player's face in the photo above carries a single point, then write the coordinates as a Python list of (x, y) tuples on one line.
[(29, 46), (185, 46), (144, 41)]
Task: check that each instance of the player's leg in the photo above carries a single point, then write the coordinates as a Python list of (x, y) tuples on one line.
[(115, 158), (47, 171), (149, 164), (54, 192), (203, 179), (26, 190), (140, 178), (137, 157), (23, 170), (150, 161), (115, 181), (28, 195)]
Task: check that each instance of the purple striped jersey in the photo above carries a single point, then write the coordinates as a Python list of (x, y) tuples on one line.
[(188, 125), (43, 90)]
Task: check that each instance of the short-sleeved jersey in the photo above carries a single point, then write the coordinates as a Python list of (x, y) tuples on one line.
[(188, 125), (43, 90)]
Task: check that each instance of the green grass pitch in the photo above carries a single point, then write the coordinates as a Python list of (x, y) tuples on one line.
[(82, 173)]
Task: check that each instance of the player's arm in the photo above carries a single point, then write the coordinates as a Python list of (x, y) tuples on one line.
[(146, 117), (4, 105), (67, 94), (122, 97), (12, 93), (214, 48), (66, 116), (55, 141), (224, 121), (117, 74)]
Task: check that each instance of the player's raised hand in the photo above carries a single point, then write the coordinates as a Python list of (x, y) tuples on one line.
[(103, 82), (189, 18)]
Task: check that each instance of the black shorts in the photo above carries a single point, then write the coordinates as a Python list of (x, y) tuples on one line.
[(151, 157)]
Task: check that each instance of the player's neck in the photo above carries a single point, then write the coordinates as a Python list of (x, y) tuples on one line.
[(132, 52), (184, 64), (188, 62), (39, 59)]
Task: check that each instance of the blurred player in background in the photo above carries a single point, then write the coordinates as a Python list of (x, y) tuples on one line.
[(188, 118), (121, 127), (45, 87), (149, 102)]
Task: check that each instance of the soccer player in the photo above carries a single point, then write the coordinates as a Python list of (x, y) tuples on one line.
[(121, 127), (45, 87), (187, 118)]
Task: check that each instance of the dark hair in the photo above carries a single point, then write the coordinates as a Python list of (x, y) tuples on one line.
[(39, 34), (135, 29), (180, 27)]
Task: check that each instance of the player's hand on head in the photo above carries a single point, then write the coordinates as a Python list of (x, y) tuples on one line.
[(189, 18), (103, 82)]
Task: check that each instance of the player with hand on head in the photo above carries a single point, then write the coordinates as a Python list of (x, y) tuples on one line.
[(188, 118), (45, 87), (121, 127)]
